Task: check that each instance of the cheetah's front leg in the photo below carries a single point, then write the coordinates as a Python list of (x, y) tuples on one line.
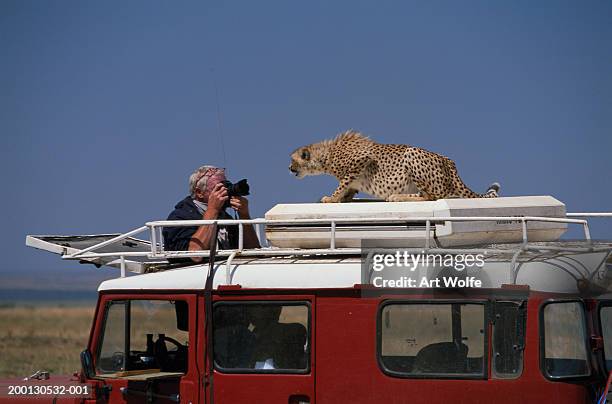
[(343, 193)]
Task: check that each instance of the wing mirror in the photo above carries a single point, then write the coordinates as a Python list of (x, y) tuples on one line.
[(87, 364)]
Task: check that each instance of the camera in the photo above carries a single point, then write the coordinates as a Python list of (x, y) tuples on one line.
[(241, 188)]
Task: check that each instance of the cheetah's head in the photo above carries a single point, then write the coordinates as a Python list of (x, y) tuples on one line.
[(308, 160)]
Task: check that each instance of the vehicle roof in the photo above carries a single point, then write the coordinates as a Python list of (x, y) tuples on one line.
[(547, 272), (250, 273)]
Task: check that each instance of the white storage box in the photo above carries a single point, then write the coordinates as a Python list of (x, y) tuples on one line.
[(294, 234)]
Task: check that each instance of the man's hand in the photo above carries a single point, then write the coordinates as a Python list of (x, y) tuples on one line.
[(217, 199), (241, 205)]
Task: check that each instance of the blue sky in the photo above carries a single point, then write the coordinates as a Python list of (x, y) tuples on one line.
[(106, 107)]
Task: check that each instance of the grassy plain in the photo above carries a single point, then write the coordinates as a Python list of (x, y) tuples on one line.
[(43, 338)]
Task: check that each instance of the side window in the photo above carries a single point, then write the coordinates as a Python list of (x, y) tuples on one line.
[(563, 343), (433, 340), (508, 339), (147, 336), (605, 317), (261, 337), (111, 354)]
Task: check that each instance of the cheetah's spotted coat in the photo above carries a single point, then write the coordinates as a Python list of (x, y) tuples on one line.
[(388, 171)]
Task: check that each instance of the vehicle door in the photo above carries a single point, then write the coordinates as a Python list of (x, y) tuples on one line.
[(142, 348), (263, 349)]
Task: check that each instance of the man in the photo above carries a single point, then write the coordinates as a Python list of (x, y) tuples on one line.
[(276, 345), (207, 200)]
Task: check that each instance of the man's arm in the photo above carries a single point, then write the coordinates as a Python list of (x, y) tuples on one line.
[(202, 237), (241, 205)]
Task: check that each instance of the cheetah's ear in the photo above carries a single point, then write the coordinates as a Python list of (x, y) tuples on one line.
[(305, 154)]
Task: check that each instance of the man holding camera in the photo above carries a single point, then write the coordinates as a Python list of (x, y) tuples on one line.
[(208, 199)]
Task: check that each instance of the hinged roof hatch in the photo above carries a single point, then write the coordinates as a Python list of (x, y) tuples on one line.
[(67, 245)]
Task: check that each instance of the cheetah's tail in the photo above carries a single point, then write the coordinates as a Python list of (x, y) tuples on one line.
[(492, 191)]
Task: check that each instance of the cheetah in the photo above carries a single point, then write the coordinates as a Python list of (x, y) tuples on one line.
[(395, 173)]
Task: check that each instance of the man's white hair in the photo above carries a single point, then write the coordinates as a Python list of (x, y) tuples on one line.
[(199, 178)]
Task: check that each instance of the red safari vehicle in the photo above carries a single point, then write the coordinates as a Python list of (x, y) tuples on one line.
[(300, 325)]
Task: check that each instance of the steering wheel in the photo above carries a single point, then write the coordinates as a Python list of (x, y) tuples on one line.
[(178, 345), (173, 360)]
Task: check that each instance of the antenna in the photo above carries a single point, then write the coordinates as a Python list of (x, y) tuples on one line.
[(219, 125)]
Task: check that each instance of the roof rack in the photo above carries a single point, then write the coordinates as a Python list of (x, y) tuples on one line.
[(130, 258)]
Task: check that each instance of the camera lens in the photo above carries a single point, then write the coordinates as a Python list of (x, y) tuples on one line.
[(241, 187)]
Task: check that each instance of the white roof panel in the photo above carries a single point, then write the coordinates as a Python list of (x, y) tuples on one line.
[(552, 272)]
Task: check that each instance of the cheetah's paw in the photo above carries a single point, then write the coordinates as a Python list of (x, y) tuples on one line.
[(405, 198)]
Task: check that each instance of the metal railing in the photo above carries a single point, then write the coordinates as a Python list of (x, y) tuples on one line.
[(157, 249)]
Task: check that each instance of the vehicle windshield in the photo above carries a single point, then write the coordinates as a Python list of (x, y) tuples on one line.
[(143, 336)]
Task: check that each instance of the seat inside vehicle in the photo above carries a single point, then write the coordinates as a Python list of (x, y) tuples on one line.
[(441, 357)]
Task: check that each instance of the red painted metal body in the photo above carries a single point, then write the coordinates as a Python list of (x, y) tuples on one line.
[(344, 367)]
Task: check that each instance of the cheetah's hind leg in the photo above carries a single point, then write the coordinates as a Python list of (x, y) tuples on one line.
[(406, 198)]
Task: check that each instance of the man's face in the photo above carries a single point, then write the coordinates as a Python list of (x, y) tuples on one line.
[(264, 316), (215, 178)]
